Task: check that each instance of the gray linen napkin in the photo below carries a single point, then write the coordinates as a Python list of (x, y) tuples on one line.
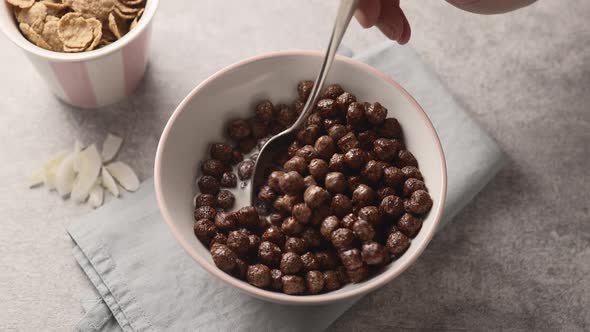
[(145, 281)]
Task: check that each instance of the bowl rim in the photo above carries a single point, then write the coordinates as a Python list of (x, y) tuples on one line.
[(373, 284), (150, 10)]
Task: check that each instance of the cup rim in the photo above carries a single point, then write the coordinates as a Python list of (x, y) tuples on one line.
[(25, 44), (373, 284)]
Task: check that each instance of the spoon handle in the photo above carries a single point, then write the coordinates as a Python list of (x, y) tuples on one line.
[(345, 12)]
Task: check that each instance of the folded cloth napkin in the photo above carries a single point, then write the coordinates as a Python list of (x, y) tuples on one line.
[(145, 281)]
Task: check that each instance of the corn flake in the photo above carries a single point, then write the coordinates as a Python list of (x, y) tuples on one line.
[(75, 31)]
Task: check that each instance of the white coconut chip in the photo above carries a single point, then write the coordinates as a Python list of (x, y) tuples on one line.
[(77, 148), (65, 175), (89, 169), (50, 168), (124, 175), (109, 183), (96, 195), (35, 179), (110, 147)]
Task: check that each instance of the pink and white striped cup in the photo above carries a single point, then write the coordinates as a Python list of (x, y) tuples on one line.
[(89, 79)]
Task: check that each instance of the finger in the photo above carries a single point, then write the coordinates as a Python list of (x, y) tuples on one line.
[(391, 21), (407, 31), (367, 12)]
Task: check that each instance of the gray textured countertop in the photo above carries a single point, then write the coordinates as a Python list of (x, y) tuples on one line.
[(517, 258)]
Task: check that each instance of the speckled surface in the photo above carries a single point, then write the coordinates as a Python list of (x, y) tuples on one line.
[(517, 258)]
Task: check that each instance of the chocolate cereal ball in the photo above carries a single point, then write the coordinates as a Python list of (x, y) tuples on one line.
[(355, 115), (310, 262), (290, 226), (204, 230), (372, 171), (397, 243), (348, 142), (363, 230), (341, 205), (259, 129), (304, 89), (213, 167), (348, 220), (296, 164), (285, 203), (296, 245), (315, 119), (412, 172), (266, 194), (351, 259), (344, 100), (225, 199), (238, 242), (276, 282), (275, 235), (293, 148), (291, 263), (273, 180), (337, 131), (307, 152), (373, 253), (205, 212), (315, 196), (265, 111), (269, 253), (309, 181), (393, 176), (385, 149), (259, 275), (335, 182), (363, 195), (248, 217), (355, 158), (366, 139), (376, 114), (312, 237), (318, 168), (226, 222), (293, 285), (392, 206), (301, 213), (358, 275), (406, 158), (328, 226), (336, 163), (229, 180), (419, 203), (384, 192), (371, 214), (326, 108), (342, 238), (223, 257), (205, 200), (245, 169), (409, 225), (254, 244), (411, 185), (331, 281), (328, 123), (221, 151), (309, 134), (390, 128), (238, 129), (314, 280), (208, 185), (291, 183), (332, 91), (324, 147), (285, 115)]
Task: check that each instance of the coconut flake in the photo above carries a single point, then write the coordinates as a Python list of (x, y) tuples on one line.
[(65, 175), (109, 183), (124, 175), (50, 168), (77, 148), (110, 147), (96, 195), (36, 178), (90, 164)]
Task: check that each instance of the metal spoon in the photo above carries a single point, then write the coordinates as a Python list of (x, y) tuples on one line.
[(282, 140)]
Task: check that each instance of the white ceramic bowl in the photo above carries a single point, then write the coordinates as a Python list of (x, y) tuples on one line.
[(233, 92), (89, 79)]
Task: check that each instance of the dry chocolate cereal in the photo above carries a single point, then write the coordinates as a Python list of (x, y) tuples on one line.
[(314, 281), (259, 275)]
